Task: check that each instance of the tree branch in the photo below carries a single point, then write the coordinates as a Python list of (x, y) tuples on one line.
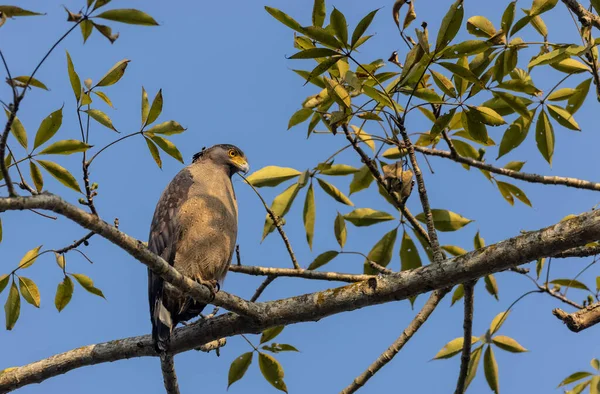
[(390, 353), (298, 273), (580, 320), (585, 17), (465, 358), (522, 249), (581, 251)]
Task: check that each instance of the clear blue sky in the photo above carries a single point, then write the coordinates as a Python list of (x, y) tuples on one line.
[(224, 76)]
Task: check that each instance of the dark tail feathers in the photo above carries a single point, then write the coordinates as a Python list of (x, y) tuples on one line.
[(162, 326)]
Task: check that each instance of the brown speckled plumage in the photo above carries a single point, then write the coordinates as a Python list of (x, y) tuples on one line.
[(194, 229)]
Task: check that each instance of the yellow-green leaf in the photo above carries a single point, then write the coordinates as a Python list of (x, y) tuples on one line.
[(168, 147), (64, 292), (453, 347), (563, 117), (473, 364), (299, 116), (74, 78), (570, 66), (364, 137), (570, 283), (444, 220), (18, 131), (576, 100), (281, 205), (29, 258), (156, 108), (487, 116), (309, 215), (367, 216), (339, 170), (167, 128), (272, 176), (32, 81), (12, 307), (490, 367), (65, 147), (508, 344), (272, 371), (450, 25), (544, 136), (478, 241), (318, 13), (339, 25), (454, 250), (60, 260), (36, 176), (361, 180), (145, 106), (458, 294), (480, 26), (540, 6), (491, 286), (286, 19), (270, 333), (498, 321), (238, 368), (88, 284), (339, 228), (60, 174), (561, 94), (323, 36), (394, 153), (514, 191), (514, 102), (334, 192), (114, 74), (474, 126), (128, 15), (86, 29), (361, 27), (409, 255), (154, 152), (323, 259), (29, 291), (338, 92), (3, 281), (574, 377), (381, 253), (104, 97), (101, 118), (444, 83), (11, 11), (514, 135), (48, 127)]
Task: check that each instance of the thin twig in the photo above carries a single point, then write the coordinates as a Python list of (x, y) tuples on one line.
[(468, 329), (262, 288), (76, 244)]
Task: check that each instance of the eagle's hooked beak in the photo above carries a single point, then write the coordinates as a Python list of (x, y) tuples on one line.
[(243, 166)]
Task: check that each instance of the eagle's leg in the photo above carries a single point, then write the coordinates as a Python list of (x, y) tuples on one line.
[(212, 285)]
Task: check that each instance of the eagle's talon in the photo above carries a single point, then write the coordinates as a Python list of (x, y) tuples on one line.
[(212, 286)]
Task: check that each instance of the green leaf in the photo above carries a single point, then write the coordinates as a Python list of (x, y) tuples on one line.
[(409, 255), (318, 13), (85, 99), (574, 377), (570, 66), (444, 220), (60, 260), (238, 368), (12, 307), (18, 131), (454, 250), (286, 19), (544, 136), (444, 84), (167, 146), (11, 11), (280, 347), (32, 82), (29, 291), (514, 135), (309, 215), (478, 241), (595, 363), (86, 29), (323, 259), (322, 36), (453, 348), (145, 106), (563, 117), (514, 102), (339, 24), (381, 253), (114, 74), (299, 116), (270, 333), (65, 147), (459, 293), (450, 25), (490, 368), (338, 92), (101, 118), (487, 116), (508, 344), (460, 71), (167, 128), (154, 152), (281, 205), (465, 149), (74, 78), (156, 108), (3, 281), (561, 94), (29, 258), (491, 286), (36, 176), (473, 364), (594, 385), (361, 180), (508, 17), (322, 67), (60, 174), (381, 98), (474, 126), (339, 170), (498, 321), (339, 228), (334, 192), (512, 190), (480, 26), (362, 26), (104, 97), (540, 6), (539, 265), (570, 283), (272, 371), (576, 100), (64, 292), (272, 176), (48, 127), (88, 284), (129, 16), (367, 216)]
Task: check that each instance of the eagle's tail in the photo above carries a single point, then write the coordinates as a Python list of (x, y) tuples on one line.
[(162, 326), (167, 365)]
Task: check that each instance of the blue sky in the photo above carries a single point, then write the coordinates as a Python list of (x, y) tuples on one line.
[(225, 77)]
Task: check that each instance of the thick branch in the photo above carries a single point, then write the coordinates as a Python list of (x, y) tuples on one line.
[(581, 251), (585, 17), (398, 344), (519, 250), (298, 273), (524, 176), (580, 320)]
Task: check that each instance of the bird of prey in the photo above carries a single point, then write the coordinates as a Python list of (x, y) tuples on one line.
[(194, 229)]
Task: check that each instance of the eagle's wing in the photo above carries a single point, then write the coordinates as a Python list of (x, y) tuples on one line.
[(164, 235)]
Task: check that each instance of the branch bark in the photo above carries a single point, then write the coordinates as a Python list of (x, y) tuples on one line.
[(298, 273), (580, 320), (522, 249), (585, 17), (468, 330)]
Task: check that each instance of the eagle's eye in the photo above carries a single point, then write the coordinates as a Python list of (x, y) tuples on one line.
[(232, 153)]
